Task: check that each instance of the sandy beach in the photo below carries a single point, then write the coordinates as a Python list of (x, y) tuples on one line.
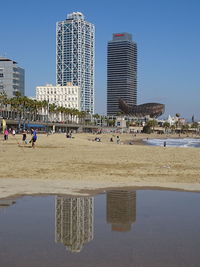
[(80, 165)]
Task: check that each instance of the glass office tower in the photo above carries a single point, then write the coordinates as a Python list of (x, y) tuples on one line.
[(121, 72), (75, 38)]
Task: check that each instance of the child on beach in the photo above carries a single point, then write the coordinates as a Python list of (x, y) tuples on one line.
[(24, 137), (5, 135)]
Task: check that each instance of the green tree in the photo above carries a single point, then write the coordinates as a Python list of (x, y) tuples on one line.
[(110, 123), (147, 129), (166, 125), (173, 128), (184, 128), (195, 126), (152, 124), (52, 111)]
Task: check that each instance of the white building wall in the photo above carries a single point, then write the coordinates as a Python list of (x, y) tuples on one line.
[(63, 96)]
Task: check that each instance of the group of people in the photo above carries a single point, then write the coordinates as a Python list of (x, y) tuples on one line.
[(118, 140), (24, 136), (6, 133), (69, 134)]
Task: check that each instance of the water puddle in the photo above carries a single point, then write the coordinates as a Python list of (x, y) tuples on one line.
[(118, 228)]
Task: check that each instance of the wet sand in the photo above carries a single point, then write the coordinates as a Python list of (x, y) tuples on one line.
[(68, 166)]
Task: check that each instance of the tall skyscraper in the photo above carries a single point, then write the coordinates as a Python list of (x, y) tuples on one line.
[(121, 72), (11, 77), (75, 38)]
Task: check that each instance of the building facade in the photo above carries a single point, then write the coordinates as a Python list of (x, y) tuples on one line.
[(121, 72), (63, 96), (75, 39), (11, 77)]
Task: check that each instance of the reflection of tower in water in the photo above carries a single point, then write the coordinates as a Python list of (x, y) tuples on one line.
[(121, 209), (74, 221)]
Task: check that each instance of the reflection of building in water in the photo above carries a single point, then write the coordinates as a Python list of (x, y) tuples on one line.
[(121, 209), (74, 221), (5, 203)]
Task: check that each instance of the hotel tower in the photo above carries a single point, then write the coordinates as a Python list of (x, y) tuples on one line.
[(75, 38), (121, 72)]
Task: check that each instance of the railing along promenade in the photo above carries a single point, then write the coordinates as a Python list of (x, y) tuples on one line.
[(21, 124)]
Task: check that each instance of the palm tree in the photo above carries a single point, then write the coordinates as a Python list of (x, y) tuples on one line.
[(195, 126), (59, 111), (95, 117), (3, 103), (45, 105), (185, 128), (66, 114), (3, 99), (173, 128), (76, 113), (52, 110), (166, 125), (152, 124), (82, 116)]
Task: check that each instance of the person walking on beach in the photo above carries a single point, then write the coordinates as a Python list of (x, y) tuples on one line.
[(34, 138), (13, 132), (6, 134), (164, 144), (118, 140), (24, 137)]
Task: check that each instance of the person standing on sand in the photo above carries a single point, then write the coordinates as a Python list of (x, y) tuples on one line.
[(118, 140), (6, 134), (24, 137), (164, 144), (34, 138)]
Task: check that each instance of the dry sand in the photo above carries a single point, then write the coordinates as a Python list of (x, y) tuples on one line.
[(70, 166)]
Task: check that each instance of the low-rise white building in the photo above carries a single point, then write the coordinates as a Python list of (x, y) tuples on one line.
[(120, 122), (64, 96)]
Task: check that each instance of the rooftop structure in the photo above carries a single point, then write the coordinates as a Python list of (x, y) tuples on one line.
[(153, 110)]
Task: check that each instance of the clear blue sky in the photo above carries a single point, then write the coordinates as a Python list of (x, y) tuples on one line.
[(167, 33)]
